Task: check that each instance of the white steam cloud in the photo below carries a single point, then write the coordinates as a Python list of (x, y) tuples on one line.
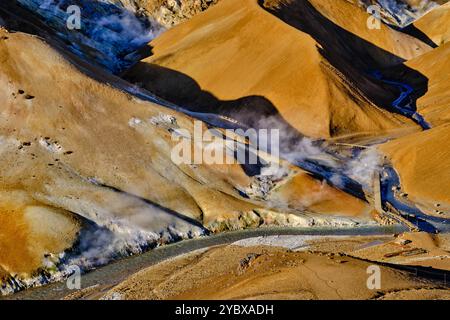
[(127, 28), (363, 168)]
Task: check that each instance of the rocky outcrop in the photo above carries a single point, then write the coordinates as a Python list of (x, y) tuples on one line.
[(169, 13)]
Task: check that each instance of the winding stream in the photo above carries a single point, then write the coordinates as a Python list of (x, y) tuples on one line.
[(404, 103)]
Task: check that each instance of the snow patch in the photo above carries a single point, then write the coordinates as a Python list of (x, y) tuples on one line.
[(294, 242)]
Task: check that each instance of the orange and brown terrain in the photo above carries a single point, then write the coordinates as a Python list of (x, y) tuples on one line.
[(92, 116)]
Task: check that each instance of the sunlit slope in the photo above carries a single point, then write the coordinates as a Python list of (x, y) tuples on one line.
[(240, 60), (435, 66), (353, 18), (74, 147), (30, 231), (170, 13), (422, 159), (436, 24), (263, 272)]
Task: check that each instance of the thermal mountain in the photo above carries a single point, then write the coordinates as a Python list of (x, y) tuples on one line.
[(314, 77), (90, 118), (121, 190)]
